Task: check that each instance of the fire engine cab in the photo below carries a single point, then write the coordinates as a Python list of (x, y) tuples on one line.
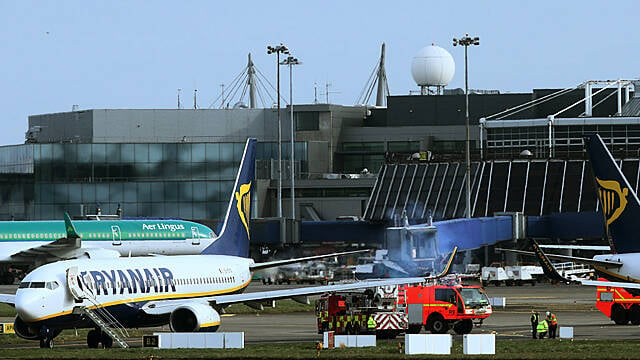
[(618, 304), (441, 307)]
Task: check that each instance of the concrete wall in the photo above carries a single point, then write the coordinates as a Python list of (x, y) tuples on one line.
[(69, 126), (215, 125)]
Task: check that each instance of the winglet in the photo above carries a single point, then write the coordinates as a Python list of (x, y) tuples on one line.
[(447, 267), (68, 225), (547, 267)]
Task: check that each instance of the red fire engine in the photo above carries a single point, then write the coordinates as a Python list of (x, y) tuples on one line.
[(441, 307), (348, 312), (618, 304), (404, 309)]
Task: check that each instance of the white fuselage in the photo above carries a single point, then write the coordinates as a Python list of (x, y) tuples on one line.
[(629, 271), (130, 282)]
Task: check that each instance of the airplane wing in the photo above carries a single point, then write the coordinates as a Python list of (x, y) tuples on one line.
[(57, 249), (576, 259), (264, 265), (257, 299), (8, 299), (626, 285), (578, 247)]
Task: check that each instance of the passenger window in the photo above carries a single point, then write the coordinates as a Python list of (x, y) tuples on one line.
[(606, 296)]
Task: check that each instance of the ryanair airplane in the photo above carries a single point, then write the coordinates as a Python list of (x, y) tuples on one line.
[(188, 292), (621, 211)]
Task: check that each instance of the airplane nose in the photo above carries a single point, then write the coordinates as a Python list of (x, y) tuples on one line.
[(30, 306)]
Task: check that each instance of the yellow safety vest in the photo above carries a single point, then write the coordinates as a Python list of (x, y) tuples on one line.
[(371, 323), (542, 326)]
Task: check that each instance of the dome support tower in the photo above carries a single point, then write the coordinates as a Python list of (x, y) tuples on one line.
[(251, 81), (383, 88)]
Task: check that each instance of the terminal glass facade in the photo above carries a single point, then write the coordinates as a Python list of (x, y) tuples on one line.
[(185, 180)]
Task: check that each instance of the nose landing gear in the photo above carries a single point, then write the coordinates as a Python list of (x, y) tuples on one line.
[(46, 338)]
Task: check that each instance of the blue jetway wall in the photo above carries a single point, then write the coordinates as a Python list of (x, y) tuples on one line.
[(472, 233), (575, 225)]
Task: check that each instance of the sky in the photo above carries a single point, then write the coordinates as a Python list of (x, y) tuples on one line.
[(136, 54)]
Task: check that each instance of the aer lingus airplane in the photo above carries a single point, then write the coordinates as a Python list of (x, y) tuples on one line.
[(32, 243), (621, 211), (188, 292)]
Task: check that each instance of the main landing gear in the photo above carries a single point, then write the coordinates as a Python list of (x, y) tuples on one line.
[(96, 337)]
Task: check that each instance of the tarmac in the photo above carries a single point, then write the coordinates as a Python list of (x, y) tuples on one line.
[(574, 305)]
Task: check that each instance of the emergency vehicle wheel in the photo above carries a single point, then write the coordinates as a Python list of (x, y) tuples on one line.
[(436, 324), (93, 338), (634, 314), (619, 315), (414, 329), (463, 327)]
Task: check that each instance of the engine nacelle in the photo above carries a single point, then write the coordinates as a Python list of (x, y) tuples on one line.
[(25, 330), (194, 317)]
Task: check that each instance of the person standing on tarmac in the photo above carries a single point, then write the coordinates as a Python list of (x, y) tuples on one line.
[(371, 325), (535, 316), (553, 324), (542, 329)]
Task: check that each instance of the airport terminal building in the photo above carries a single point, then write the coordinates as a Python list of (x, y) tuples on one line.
[(350, 160)]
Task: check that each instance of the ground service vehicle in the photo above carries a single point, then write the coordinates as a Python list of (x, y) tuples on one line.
[(441, 307), (618, 304), (348, 312)]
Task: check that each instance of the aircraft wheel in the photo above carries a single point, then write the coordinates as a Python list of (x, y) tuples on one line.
[(107, 342), (463, 327), (46, 343), (634, 314), (93, 339), (619, 315)]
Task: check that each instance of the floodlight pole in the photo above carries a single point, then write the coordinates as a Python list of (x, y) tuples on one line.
[(270, 50), (466, 41), (290, 61)]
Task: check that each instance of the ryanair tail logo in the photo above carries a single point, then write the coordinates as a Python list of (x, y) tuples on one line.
[(609, 191), (243, 203)]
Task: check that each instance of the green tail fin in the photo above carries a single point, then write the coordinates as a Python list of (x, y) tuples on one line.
[(68, 225)]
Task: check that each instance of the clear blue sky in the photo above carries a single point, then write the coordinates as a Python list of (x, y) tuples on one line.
[(135, 54)]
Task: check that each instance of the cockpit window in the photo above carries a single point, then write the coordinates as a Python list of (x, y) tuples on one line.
[(24, 285), (37, 285), (52, 285)]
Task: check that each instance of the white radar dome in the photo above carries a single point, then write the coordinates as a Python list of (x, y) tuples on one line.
[(432, 66)]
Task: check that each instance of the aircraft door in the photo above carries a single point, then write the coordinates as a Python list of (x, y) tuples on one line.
[(116, 235), (195, 236), (74, 283)]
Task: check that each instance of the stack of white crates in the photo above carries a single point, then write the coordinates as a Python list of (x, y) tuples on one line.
[(230, 340), (475, 344), (439, 344)]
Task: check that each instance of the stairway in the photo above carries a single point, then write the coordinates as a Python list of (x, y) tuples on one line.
[(112, 328)]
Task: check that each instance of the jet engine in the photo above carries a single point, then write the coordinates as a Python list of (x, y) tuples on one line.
[(25, 330), (194, 317)]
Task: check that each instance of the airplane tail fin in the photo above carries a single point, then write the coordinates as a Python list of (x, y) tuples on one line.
[(234, 236), (547, 267), (619, 202)]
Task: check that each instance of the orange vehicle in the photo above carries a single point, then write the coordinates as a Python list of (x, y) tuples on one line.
[(618, 304), (442, 307)]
